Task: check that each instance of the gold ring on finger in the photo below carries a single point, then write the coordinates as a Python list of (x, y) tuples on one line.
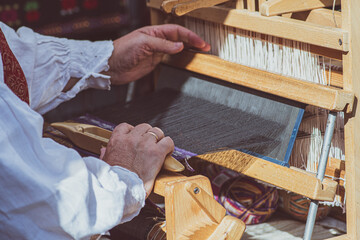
[(154, 134)]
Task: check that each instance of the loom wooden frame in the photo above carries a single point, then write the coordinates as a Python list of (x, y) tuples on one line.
[(349, 33)]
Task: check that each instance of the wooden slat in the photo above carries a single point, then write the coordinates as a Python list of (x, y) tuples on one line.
[(309, 93), (322, 16), (275, 26), (239, 4), (336, 78), (276, 7), (251, 5), (296, 181)]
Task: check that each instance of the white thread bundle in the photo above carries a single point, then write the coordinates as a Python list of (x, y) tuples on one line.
[(307, 148), (272, 54)]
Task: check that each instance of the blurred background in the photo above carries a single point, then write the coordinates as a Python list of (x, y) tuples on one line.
[(80, 19)]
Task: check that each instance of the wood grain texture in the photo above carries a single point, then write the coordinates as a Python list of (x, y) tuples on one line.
[(206, 202), (292, 29), (193, 214), (276, 7), (321, 16), (351, 71), (239, 4), (314, 94), (184, 8), (294, 180), (251, 5), (229, 226)]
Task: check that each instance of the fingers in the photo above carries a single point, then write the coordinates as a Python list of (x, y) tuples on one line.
[(102, 152), (164, 46), (140, 130), (176, 33), (123, 128), (167, 145), (154, 134)]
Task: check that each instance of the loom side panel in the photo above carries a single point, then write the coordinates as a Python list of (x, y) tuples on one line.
[(351, 60)]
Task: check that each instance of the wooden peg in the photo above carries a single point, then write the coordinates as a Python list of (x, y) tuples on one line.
[(277, 7), (92, 138)]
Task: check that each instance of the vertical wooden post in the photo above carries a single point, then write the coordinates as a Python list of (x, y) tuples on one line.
[(351, 73), (239, 4), (251, 5)]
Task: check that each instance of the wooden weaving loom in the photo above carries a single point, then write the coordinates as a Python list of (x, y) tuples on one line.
[(306, 22), (276, 18)]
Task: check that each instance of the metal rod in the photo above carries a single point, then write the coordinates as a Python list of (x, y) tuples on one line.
[(310, 222)]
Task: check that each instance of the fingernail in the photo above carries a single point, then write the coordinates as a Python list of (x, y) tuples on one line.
[(178, 44)]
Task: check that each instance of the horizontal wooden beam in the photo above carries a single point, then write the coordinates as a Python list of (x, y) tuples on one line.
[(330, 98), (297, 181), (276, 7), (307, 32)]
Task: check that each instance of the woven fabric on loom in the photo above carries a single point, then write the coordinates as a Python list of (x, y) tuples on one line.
[(194, 124), (252, 124)]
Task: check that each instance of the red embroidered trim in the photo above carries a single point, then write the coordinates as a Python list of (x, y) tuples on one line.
[(13, 74)]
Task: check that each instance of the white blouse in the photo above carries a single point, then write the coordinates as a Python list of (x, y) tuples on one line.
[(48, 191)]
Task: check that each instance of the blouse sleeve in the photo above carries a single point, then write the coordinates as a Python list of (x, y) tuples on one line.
[(49, 62), (49, 191)]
